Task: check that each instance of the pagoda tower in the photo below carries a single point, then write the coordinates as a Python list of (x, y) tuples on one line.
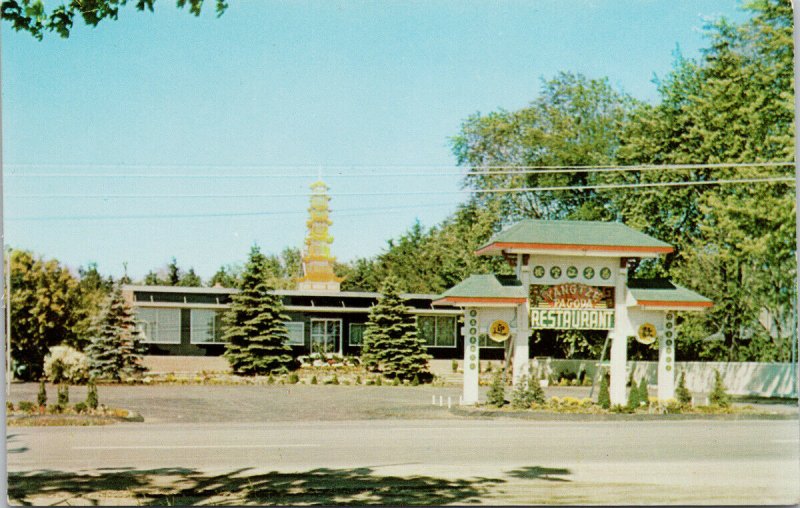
[(317, 260)]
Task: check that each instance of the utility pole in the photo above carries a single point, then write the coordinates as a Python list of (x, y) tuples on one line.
[(4, 333), (796, 335)]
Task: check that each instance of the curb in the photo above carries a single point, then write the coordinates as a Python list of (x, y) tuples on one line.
[(580, 417), (132, 417)]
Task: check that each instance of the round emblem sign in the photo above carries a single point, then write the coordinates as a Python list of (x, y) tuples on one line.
[(555, 272), (499, 331), (605, 273), (538, 271), (647, 333)]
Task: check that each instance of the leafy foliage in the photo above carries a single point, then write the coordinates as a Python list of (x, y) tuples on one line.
[(32, 16), (391, 344), (66, 364), (116, 350), (682, 394), (255, 334)]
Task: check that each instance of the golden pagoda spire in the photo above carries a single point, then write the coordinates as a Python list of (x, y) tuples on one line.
[(317, 260)]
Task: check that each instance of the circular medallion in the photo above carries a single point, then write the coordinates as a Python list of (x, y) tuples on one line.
[(669, 367), (646, 333), (669, 324), (605, 273), (669, 359), (572, 272), (473, 322), (473, 340), (588, 272), (669, 342), (473, 331), (669, 315), (555, 272), (472, 366), (473, 313), (668, 334), (472, 348), (499, 331), (472, 357), (538, 271)]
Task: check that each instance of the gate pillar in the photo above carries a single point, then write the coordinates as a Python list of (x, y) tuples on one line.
[(471, 356)]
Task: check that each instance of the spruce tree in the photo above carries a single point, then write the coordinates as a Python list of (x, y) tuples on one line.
[(682, 393), (256, 335), (391, 344), (633, 396), (496, 395), (718, 396), (116, 349)]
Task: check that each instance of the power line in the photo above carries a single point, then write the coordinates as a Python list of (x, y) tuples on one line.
[(344, 212), (417, 193), (491, 170)]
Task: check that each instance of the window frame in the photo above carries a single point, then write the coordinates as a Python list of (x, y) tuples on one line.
[(145, 339), (302, 333), (326, 320), (436, 318), (350, 334), (214, 330)]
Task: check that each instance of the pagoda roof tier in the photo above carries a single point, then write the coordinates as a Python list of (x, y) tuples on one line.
[(568, 237), (664, 294), (485, 290)]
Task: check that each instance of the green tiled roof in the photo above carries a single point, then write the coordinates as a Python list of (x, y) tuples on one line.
[(663, 290), (487, 286), (575, 232)]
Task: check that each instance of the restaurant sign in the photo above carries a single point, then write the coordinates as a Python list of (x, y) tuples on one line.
[(572, 306)]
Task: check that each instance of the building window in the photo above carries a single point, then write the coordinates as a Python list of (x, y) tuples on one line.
[(484, 342), (205, 326), (437, 331), (324, 335), (357, 334), (297, 333), (160, 326)]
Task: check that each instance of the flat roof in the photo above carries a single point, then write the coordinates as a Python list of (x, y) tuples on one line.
[(560, 236), (281, 292)]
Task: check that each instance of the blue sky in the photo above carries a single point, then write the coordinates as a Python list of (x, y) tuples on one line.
[(260, 101)]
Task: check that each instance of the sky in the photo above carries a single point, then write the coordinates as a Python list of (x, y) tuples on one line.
[(163, 135)]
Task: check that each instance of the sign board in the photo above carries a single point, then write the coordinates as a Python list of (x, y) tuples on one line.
[(572, 306), (499, 330)]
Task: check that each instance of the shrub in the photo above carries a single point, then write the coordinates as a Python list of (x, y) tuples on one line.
[(64, 364), (633, 397), (497, 390), (719, 397), (644, 395), (27, 406), (270, 380), (294, 378), (604, 396), (396, 382), (332, 381), (379, 381), (80, 407), (415, 381), (314, 380), (454, 365), (358, 380), (91, 395), (41, 397), (63, 395), (9, 406), (527, 393), (682, 393)]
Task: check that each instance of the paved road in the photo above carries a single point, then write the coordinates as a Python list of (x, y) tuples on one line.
[(396, 461)]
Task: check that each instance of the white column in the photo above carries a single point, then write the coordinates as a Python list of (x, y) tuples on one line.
[(471, 355), (521, 348), (619, 341), (666, 358)]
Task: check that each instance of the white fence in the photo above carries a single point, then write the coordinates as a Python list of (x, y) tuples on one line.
[(740, 378)]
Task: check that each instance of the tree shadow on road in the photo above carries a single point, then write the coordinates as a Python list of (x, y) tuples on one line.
[(178, 486), (540, 473)]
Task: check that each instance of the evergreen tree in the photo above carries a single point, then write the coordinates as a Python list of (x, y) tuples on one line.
[(496, 395), (682, 393), (718, 396), (116, 349), (391, 344), (633, 397), (526, 393), (255, 334), (41, 397), (604, 396), (91, 395), (644, 395)]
